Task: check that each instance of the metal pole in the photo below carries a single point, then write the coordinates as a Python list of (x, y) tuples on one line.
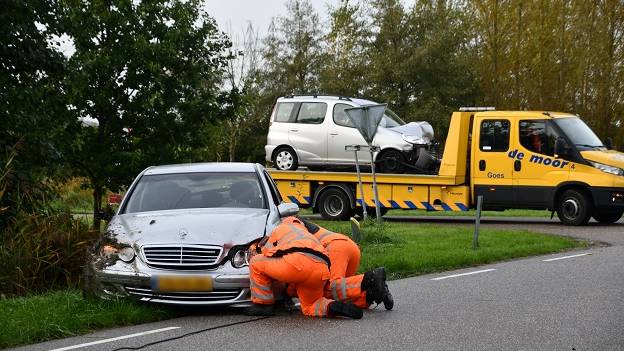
[(377, 209), (475, 237), (357, 168)]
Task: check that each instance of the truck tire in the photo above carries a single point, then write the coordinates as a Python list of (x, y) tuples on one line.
[(608, 216), (334, 205), (391, 161), (574, 207), (285, 159)]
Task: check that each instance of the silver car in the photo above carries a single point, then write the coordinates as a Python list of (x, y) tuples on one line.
[(313, 131), (182, 232)]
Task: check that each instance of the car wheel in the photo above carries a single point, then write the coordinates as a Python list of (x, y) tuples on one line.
[(334, 205), (392, 161), (285, 159), (574, 207), (608, 216)]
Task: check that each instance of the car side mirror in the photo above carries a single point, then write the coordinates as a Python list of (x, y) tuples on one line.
[(561, 147), (609, 143), (287, 209)]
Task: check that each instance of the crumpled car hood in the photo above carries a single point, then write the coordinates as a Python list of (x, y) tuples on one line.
[(423, 131), (608, 157), (214, 226)]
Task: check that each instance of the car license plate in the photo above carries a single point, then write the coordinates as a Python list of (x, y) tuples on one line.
[(166, 283)]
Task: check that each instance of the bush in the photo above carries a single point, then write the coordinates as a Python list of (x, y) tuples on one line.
[(39, 252)]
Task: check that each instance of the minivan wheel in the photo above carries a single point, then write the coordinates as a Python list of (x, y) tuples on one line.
[(608, 216), (392, 161), (285, 159), (334, 205), (574, 207)]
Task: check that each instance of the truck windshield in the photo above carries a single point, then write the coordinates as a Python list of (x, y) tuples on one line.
[(579, 133), (390, 119), (196, 190)]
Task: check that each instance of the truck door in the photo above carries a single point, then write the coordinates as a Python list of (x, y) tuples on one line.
[(342, 132), (492, 169), (536, 170), (309, 132)]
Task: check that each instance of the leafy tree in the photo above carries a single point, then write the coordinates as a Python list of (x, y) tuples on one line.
[(149, 73)]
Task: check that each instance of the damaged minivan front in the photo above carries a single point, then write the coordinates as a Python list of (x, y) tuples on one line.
[(182, 233)]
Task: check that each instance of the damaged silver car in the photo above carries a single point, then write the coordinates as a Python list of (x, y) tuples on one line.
[(182, 233)]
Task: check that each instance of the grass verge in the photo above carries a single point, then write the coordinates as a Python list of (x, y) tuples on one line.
[(60, 314), (413, 249)]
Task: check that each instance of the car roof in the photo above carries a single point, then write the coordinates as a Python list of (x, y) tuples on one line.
[(524, 114), (233, 167), (326, 98)]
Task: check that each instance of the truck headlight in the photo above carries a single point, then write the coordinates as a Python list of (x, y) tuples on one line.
[(124, 253), (607, 168), (412, 139), (240, 258)]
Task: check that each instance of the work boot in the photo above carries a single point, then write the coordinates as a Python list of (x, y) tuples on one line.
[(258, 310), (338, 308), (388, 300), (374, 283)]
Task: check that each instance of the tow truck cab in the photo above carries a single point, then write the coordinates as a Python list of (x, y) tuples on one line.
[(514, 159)]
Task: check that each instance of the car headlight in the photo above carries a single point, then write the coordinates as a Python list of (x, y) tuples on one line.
[(240, 258), (124, 253), (607, 168), (412, 139)]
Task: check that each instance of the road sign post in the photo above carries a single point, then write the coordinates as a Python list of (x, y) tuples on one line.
[(355, 149), (475, 236)]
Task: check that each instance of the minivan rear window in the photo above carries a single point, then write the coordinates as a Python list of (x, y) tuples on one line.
[(283, 111)]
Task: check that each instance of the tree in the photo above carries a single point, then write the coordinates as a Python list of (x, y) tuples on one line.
[(149, 73)]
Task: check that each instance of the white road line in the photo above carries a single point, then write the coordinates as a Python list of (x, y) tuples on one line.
[(114, 339), (564, 257), (462, 274)]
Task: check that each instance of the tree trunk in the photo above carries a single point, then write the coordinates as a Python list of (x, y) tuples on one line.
[(97, 206)]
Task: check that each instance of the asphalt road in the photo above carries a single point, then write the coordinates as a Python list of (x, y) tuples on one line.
[(575, 303)]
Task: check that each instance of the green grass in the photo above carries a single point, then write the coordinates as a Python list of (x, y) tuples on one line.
[(60, 314), (415, 249)]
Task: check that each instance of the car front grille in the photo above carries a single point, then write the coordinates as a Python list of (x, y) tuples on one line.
[(216, 296), (182, 257)]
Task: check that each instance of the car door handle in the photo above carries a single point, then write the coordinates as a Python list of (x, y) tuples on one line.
[(482, 165), (333, 133), (294, 130), (517, 166)]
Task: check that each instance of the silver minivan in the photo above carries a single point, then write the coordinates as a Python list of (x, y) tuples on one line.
[(313, 130)]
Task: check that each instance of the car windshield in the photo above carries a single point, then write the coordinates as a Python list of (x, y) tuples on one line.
[(390, 120), (579, 133), (196, 190)]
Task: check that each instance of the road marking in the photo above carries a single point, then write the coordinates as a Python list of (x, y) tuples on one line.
[(462, 274), (564, 257), (115, 339)]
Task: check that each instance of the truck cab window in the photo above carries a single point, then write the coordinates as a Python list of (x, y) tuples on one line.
[(538, 136), (494, 135)]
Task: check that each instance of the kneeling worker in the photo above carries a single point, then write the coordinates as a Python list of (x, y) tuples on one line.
[(344, 254), (290, 254)]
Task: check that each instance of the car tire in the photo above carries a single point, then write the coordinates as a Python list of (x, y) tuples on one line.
[(574, 207), (285, 159), (391, 161), (334, 205), (608, 216)]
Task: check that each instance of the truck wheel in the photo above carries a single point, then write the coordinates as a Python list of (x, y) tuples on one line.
[(574, 208), (608, 216), (285, 159), (334, 205), (391, 161)]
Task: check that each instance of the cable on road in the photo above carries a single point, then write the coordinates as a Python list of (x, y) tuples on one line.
[(191, 333)]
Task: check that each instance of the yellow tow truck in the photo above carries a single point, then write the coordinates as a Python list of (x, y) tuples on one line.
[(514, 159)]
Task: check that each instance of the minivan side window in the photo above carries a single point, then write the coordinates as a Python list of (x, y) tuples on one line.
[(538, 136), (494, 135), (340, 116), (312, 112), (283, 111)]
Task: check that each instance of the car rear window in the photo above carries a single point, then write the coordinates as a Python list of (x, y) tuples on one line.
[(196, 190), (283, 111)]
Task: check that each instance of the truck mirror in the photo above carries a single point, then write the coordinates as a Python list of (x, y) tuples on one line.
[(609, 143), (561, 147)]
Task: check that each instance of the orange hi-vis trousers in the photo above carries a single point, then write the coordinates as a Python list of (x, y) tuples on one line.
[(348, 289), (309, 274), (344, 256)]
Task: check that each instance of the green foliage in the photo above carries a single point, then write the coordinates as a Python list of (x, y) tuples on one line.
[(62, 314)]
